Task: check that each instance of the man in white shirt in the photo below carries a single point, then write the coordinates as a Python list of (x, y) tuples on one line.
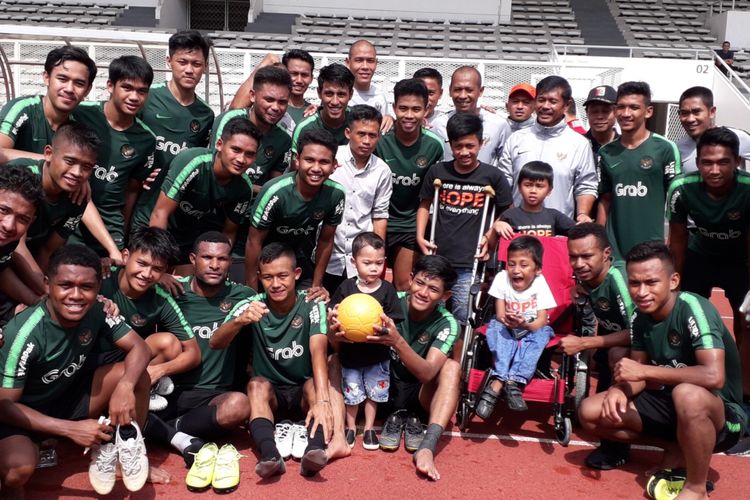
[(465, 90), (367, 180), (362, 62)]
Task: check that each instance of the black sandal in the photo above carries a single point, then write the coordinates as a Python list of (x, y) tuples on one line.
[(487, 401)]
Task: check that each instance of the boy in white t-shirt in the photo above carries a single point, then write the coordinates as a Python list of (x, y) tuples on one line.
[(520, 331)]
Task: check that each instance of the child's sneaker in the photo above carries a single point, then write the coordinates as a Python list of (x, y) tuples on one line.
[(227, 471), (351, 437), (370, 440), (133, 460), (299, 440), (102, 473), (157, 402), (283, 436), (164, 386), (514, 397), (201, 474)]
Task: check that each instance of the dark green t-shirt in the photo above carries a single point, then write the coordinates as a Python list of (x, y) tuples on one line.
[(44, 359), (440, 330), (281, 344), (611, 301), (206, 314), (721, 225), (176, 128), (638, 180), (316, 122), (297, 114), (408, 165), (23, 120)]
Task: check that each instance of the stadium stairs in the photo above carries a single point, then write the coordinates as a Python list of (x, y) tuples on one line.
[(597, 25)]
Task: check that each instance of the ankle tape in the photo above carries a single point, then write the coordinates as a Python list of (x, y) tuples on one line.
[(430, 439)]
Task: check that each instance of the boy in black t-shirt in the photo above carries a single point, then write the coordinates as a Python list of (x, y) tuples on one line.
[(366, 367), (532, 217), (461, 202)]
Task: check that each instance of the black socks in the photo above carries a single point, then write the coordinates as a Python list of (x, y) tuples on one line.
[(262, 431)]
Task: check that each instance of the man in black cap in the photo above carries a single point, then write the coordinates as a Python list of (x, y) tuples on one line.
[(600, 112)]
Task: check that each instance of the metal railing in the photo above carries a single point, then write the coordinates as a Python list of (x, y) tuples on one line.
[(629, 52), (719, 6)]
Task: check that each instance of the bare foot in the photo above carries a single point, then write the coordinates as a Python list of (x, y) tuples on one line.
[(157, 475), (338, 448), (690, 493), (423, 459)]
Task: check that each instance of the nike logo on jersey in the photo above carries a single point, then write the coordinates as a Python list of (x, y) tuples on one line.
[(615, 165), (163, 117)]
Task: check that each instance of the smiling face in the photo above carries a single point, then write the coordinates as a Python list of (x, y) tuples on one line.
[(717, 166), (302, 76), (696, 117), (466, 89), (632, 112), (550, 107), (69, 165), (211, 262), (426, 292), (128, 96), (270, 103), (601, 116), (236, 154), (653, 285), (67, 85), (142, 270), (465, 151), (334, 99), (315, 163), (187, 67), (362, 62), (434, 93), (279, 279), (16, 215), (410, 112), (521, 269), (72, 292)]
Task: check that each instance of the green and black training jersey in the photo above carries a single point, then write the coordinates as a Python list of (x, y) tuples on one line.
[(176, 128), (43, 358), (408, 165), (124, 155), (23, 120), (611, 301), (638, 180), (206, 314), (297, 114), (721, 225), (281, 344), (440, 330), (316, 122)]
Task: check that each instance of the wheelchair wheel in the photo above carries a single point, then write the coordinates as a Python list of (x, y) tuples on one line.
[(581, 388), (563, 431)]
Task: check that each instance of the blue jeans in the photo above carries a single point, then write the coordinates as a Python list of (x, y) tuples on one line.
[(515, 359), (460, 295)]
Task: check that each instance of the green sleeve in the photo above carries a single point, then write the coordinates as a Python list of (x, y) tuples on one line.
[(677, 212), (182, 171), (70, 224), (318, 319), (171, 317), (113, 329), (14, 116), (21, 349), (336, 209), (447, 331), (703, 323)]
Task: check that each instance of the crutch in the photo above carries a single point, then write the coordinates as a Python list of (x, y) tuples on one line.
[(437, 184)]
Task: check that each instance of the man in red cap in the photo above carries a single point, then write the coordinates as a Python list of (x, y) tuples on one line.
[(600, 112), (520, 106)]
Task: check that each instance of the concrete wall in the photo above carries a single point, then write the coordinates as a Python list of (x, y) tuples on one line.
[(173, 14), (731, 25)]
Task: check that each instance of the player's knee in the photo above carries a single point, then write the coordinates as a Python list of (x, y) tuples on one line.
[(589, 413), (259, 388), (234, 410), (18, 474), (450, 373), (164, 344), (690, 401)]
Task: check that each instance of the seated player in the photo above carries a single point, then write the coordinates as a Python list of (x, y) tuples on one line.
[(290, 370), (302, 210), (366, 368), (151, 311), (46, 390), (681, 385), (424, 378)]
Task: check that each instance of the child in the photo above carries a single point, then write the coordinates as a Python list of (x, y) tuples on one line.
[(365, 368), (532, 217), (519, 333)]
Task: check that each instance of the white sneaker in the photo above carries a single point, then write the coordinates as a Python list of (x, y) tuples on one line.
[(283, 437), (157, 402), (164, 386), (102, 472), (299, 444), (133, 459)]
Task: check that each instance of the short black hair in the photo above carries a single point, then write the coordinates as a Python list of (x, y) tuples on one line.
[(537, 171), (635, 88), (363, 112), (300, 54), (429, 73), (189, 40), (157, 242), (704, 93), (212, 237), (240, 125), (647, 250), (366, 239), (571, 108), (552, 82), (463, 124), (317, 136), (527, 243), (719, 136), (56, 57), (436, 266), (130, 68), (410, 86), (581, 231), (337, 74), (77, 134), (22, 181), (277, 250), (272, 75), (74, 255)]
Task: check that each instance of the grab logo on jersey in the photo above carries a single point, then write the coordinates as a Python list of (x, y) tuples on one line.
[(21, 371), (295, 231), (406, 180), (294, 351), (205, 332), (188, 209), (19, 123), (103, 174), (732, 234), (68, 371), (637, 191), (170, 147), (610, 326)]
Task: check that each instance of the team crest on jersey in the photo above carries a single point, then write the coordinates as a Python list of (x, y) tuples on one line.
[(734, 215), (195, 126), (318, 214), (421, 161), (423, 339), (602, 304), (268, 152), (647, 162), (127, 151), (674, 338), (561, 156), (225, 306), (85, 337), (137, 320), (296, 321)]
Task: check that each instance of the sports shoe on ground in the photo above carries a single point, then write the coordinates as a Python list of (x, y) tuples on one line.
[(227, 471), (299, 440), (268, 468), (514, 397), (157, 402), (609, 455), (350, 436), (201, 474), (413, 433), (370, 440), (313, 462), (390, 436), (133, 460), (741, 449), (283, 437), (164, 386), (188, 454), (668, 483), (102, 473)]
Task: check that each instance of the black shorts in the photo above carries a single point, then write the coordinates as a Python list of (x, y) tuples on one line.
[(395, 240), (405, 396), (659, 418), (702, 273), (182, 401), (289, 402)]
